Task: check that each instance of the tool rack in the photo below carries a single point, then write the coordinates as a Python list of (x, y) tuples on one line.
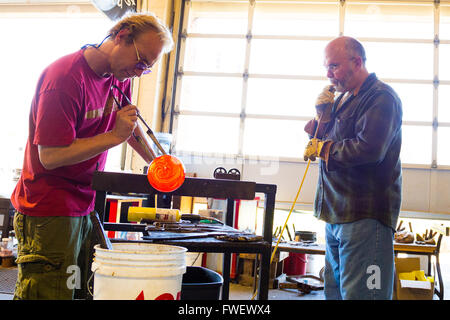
[(127, 183)]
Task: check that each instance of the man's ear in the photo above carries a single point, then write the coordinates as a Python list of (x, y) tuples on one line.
[(358, 62), (122, 35)]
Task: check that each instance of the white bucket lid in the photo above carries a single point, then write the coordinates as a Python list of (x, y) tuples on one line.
[(133, 271), (141, 252), (137, 262)]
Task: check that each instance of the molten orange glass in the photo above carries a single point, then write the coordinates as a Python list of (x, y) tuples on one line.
[(166, 173)]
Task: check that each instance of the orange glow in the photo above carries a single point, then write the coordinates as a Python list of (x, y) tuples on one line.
[(166, 173)]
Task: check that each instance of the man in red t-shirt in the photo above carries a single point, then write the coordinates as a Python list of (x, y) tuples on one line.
[(74, 120)]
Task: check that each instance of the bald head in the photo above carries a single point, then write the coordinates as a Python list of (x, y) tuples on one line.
[(350, 46), (345, 63)]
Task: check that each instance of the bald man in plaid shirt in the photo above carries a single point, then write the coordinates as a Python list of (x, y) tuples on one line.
[(358, 193)]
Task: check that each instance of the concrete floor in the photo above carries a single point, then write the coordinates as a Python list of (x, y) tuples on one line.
[(239, 292), (4, 296)]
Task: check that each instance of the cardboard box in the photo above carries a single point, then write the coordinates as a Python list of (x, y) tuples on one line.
[(411, 289)]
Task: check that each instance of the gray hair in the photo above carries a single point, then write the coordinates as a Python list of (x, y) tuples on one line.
[(142, 22), (355, 48)]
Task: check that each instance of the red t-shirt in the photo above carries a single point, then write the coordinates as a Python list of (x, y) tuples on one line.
[(71, 101)]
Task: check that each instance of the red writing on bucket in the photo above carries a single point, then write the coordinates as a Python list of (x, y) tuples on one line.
[(164, 296)]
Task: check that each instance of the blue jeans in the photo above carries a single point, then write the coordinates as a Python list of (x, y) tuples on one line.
[(359, 261)]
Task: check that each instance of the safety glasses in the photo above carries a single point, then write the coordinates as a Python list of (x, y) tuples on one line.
[(141, 65)]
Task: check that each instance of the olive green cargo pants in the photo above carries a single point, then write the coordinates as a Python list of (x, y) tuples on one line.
[(53, 256)]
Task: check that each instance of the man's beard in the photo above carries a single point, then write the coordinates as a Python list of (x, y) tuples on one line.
[(342, 85)]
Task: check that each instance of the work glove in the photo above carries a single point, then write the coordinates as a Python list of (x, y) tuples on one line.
[(313, 149), (317, 148), (324, 103)]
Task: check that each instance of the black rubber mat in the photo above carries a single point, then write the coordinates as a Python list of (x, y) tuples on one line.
[(8, 277)]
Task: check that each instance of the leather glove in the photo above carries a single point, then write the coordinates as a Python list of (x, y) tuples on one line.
[(324, 103), (313, 149)]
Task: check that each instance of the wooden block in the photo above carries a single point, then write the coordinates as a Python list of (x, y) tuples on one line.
[(248, 267), (186, 204), (251, 256)]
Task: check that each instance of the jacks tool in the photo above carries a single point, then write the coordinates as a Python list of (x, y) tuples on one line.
[(149, 151), (149, 131)]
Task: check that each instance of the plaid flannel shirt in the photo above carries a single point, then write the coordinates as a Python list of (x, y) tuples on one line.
[(362, 178)]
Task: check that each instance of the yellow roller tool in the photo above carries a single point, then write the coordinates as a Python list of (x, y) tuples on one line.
[(136, 214)]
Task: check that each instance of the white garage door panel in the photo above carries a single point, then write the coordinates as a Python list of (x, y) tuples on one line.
[(416, 190)]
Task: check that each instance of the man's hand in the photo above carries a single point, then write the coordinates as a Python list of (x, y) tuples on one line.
[(126, 121), (314, 149), (324, 103)]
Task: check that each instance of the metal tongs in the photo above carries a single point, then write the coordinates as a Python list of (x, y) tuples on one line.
[(149, 131)]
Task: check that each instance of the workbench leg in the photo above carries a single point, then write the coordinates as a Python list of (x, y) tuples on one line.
[(226, 276), (429, 263), (440, 293), (264, 274), (256, 273), (100, 205)]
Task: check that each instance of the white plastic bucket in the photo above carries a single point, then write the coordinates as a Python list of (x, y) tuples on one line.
[(138, 271)]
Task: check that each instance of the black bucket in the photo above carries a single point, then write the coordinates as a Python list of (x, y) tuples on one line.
[(201, 284)]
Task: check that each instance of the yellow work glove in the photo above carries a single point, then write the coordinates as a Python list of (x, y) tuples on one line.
[(313, 149), (324, 103)]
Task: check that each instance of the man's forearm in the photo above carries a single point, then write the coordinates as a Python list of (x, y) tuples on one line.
[(78, 151)]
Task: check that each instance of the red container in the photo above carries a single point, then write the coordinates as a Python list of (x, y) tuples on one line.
[(295, 264)]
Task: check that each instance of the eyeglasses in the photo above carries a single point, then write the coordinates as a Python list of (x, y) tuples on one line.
[(141, 65), (334, 66)]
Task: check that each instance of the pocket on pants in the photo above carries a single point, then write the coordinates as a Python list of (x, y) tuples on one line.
[(35, 263), (38, 277)]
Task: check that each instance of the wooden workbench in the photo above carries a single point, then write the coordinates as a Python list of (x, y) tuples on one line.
[(411, 248)]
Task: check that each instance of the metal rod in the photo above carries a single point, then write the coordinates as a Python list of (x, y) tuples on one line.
[(150, 153), (149, 130)]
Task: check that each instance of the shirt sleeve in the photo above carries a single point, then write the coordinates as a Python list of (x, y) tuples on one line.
[(375, 130), (56, 119)]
